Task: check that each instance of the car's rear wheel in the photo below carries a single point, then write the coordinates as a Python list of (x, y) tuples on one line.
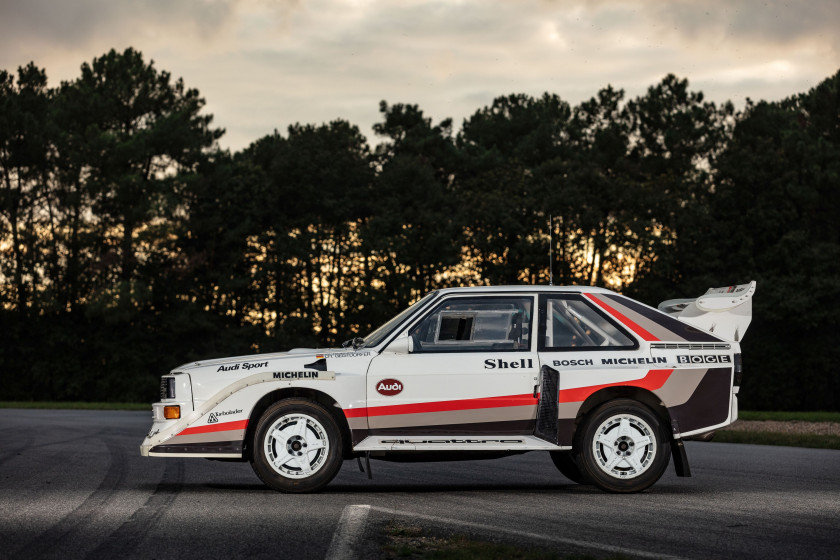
[(297, 446), (622, 447), (567, 464)]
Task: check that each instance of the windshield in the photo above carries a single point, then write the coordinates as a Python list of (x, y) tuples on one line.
[(379, 334)]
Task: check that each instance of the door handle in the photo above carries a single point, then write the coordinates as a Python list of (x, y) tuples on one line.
[(536, 390)]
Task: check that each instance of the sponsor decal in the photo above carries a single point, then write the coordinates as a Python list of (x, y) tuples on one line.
[(573, 363), (632, 361), (243, 366), (345, 354), (389, 387), (451, 441), (524, 363), (296, 374), (249, 365), (214, 416), (713, 359)]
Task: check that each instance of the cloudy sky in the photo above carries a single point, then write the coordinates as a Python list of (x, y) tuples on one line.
[(265, 64)]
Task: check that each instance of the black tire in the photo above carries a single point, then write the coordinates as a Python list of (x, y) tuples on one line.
[(567, 465), (632, 452), (292, 437)]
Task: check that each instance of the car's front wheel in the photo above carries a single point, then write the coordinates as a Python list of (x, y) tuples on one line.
[(622, 447), (297, 447)]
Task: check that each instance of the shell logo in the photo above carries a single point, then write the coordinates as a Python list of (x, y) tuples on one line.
[(389, 387)]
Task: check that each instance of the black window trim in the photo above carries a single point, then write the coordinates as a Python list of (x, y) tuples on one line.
[(496, 296), (543, 305)]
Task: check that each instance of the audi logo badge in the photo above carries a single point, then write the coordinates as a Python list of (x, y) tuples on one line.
[(389, 387)]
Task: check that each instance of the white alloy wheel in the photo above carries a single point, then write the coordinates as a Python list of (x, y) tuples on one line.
[(624, 446), (621, 446), (296, 445)]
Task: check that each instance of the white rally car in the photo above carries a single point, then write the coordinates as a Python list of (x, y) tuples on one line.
[(607, 385)]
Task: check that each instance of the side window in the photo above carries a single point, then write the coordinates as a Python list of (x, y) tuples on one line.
[(572, 323), (476, 324)]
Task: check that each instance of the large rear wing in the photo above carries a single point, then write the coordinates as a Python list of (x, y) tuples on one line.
[(726, 311)]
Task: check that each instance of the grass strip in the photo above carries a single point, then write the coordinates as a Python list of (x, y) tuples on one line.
[(785, 416), (76, 405), (814, 441), (402, 541)]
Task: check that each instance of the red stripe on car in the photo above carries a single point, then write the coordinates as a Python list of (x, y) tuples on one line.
[(221, 427), (654, 379), (443, 406), (623, 319)]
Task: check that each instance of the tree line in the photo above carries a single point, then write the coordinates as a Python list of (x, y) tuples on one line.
[(130, 242)]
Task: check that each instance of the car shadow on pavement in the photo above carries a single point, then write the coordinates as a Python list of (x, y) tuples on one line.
[(365, 487)]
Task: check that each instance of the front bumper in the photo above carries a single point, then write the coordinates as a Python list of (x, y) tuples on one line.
[(161, 424)]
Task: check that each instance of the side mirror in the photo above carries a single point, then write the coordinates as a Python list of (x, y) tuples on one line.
[(403, 344)]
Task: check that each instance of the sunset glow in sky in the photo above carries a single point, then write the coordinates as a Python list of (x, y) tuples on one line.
[(265, 64)]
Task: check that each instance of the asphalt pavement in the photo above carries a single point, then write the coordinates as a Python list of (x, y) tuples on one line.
[(73, 485)]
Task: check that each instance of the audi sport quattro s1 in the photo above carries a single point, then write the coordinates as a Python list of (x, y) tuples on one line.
[(608, 386)]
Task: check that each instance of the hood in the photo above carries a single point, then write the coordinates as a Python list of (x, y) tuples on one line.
[(297, 354), (208, 377)]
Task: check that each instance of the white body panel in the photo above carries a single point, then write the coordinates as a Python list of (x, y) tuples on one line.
[(431, 378), (227, 391)]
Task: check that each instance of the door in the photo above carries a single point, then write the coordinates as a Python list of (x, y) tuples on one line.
[(472, 370), (582, 349)]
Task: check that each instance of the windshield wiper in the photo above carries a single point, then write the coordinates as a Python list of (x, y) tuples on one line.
[(356, 343)]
